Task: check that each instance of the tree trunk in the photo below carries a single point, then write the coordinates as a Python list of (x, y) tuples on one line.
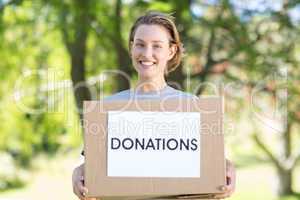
[(80, 87), (123, 58), (285, 174), (283, 168), (285, 182), (177, 77), (123, 79), (75, 36)]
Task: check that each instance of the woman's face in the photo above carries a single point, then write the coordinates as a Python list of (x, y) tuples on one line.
[(151, 51)]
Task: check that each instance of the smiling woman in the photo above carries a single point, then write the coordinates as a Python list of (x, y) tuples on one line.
[(170, 36), (156, 50), (151, 52)]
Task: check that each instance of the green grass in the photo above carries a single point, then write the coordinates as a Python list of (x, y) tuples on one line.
[(50, 179)]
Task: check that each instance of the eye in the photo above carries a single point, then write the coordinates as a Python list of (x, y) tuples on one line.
[(157, 46), (139, 45)]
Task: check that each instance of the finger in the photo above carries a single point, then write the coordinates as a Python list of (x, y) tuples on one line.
[(230, 174), (228, 181), (82, 186), (225, 193), (82, 189), (77, 181), (78, 194), (229, 188)]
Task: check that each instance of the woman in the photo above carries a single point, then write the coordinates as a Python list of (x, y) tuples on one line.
[(155, 50)]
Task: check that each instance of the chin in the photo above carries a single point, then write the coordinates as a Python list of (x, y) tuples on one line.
[(147, 74)]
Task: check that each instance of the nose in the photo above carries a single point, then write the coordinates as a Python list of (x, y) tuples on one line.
[(147, 53)]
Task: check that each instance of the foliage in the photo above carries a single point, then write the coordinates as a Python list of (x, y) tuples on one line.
[(248, 53)]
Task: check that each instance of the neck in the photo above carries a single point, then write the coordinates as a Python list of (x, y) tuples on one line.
[(152, 85)]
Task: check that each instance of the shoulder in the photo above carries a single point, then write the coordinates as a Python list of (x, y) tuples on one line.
[(179, 94), (123, 95), (168, 92)]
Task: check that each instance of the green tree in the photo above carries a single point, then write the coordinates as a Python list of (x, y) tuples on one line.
[(248, 49)]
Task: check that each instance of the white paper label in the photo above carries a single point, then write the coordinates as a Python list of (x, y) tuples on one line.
[(153, 144)]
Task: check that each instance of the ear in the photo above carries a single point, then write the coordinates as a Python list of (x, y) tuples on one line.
[(172, 50)]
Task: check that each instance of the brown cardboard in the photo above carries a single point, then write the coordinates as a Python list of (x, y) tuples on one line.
[(212, 152)]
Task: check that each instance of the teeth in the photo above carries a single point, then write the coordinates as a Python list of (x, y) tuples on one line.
[(147, 63)]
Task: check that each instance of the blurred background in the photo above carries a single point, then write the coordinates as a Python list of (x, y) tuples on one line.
[(56, 53)]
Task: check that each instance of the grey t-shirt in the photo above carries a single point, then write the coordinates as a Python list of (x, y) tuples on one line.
[(166, 93)]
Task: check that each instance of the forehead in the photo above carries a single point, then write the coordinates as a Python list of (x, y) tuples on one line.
[(150, 33)]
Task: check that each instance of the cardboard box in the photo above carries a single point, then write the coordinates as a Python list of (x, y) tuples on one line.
[(183, 160)]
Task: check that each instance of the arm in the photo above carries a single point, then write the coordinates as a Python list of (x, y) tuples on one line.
[(78, 183)]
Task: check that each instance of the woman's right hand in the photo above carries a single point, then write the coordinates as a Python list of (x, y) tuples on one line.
[(78, 183)]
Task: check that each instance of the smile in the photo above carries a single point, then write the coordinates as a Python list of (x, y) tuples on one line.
[(147, 63)]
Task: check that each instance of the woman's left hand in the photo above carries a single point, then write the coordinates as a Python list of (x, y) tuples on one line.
[(230, 181)]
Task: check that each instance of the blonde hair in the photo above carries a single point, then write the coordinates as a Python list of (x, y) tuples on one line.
[(166, 21)]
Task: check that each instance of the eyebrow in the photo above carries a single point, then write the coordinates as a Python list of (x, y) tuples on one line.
[(151, 41)]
